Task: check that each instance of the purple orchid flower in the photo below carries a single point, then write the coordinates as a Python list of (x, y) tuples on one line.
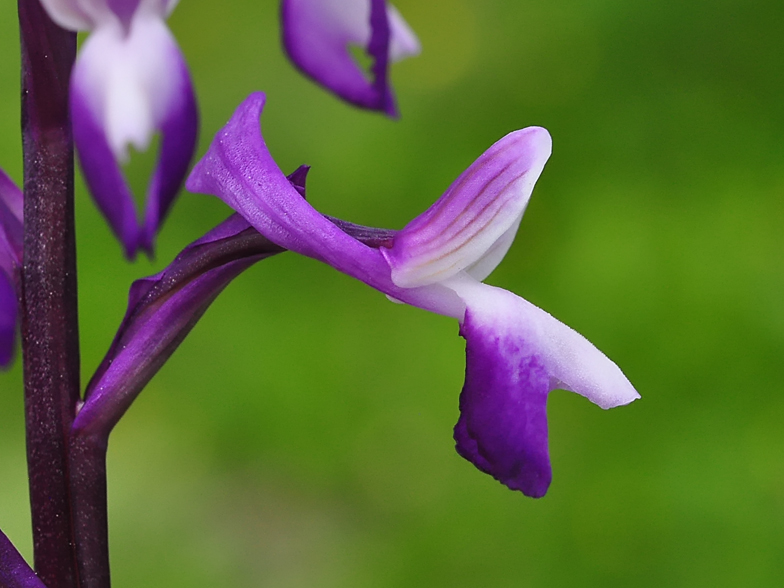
[(317, 35), (11, 236), (129, 81), (516, 353)]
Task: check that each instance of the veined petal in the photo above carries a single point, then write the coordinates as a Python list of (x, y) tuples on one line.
[(515, 355), (475, 221), (239, 170), (124, 88), (317, 35), (8, 319)]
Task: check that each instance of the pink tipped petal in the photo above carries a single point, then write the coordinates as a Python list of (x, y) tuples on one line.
[(476, 217), (124, 88), (317, 35), (8, 319)]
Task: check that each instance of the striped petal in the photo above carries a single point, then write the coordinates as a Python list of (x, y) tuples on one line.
[(473, 224)]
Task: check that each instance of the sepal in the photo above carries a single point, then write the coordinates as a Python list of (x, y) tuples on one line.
[(317, 35)]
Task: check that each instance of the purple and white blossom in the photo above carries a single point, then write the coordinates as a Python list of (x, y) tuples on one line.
[(11, 227), (317, 35), (129, 82), (516, 353)]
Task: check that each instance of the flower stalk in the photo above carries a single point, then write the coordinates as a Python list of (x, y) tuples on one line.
[(50, 342)]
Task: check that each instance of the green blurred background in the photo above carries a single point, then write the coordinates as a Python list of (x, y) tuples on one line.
[(302, 435)]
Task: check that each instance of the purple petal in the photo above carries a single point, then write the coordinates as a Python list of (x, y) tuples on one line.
[(516, 353), (124, 88), (317, 35), (473, 224), (8, 319), (103, 174), (14, 570), (179, 134), (502, 428), (239, 170), (11, 225)]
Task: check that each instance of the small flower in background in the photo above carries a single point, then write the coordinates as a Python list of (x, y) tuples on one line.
[(515, 352), (11, 228), (317, 35), (129, 81)]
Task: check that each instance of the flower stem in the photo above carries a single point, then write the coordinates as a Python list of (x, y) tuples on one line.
[(50, 340)]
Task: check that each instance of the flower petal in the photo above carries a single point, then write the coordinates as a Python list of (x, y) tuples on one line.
[(239, 170), (317, 35), (179, 135), (516, 354), (11, 225), (14, 570), (8, 319), (475, 221), (124, 88), (502, 428)]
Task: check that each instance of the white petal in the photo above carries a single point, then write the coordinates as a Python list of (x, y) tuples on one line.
[(473, 224), (130, 79), (403, 41)]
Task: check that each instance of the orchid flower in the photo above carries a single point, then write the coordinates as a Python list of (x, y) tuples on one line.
[(317, 35), (129, 81), (10, 264), (516, 353)]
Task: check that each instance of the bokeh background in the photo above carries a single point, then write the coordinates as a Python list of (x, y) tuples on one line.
[(302, 435)]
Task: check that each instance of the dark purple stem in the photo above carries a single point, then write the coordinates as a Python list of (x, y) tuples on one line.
[(90, 516), (50, 341)]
